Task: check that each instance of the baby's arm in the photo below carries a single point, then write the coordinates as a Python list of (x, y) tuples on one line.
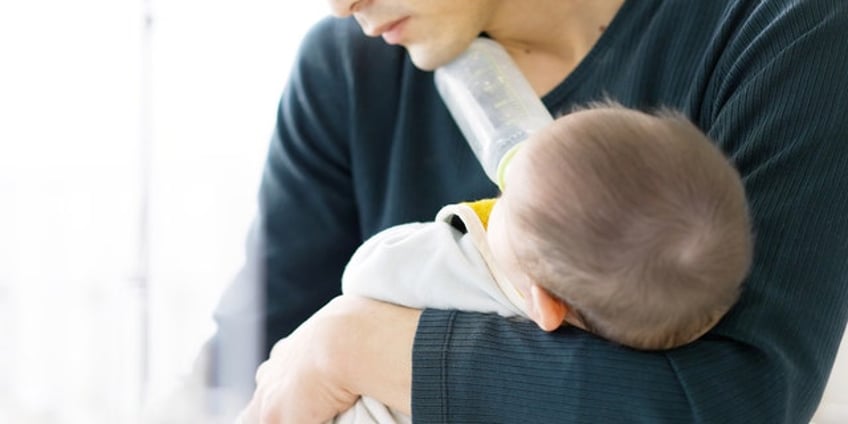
[(424, 265)]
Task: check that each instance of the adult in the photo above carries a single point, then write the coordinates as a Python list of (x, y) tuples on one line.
[(364, 142)]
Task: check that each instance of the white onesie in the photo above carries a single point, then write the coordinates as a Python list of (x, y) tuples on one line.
[(428, 265)]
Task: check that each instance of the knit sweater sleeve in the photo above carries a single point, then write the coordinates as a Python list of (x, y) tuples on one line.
[(778, 110), (306, 226)]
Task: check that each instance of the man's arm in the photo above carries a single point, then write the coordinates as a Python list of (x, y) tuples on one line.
[(318, 371), (307, 224)]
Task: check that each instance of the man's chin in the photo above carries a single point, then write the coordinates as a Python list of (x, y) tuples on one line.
[(426, 60), (423, 63)]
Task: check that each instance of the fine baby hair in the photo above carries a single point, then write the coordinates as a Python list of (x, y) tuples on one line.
[(637, 221)]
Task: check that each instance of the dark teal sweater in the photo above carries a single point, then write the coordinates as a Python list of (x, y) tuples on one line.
[(363, 142)]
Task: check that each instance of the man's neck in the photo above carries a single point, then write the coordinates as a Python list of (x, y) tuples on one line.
[(548, 38)]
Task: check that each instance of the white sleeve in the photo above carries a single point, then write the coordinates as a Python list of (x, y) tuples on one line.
[(425, 265)]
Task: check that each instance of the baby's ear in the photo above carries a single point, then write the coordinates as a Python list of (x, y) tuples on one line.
[(545, 309)]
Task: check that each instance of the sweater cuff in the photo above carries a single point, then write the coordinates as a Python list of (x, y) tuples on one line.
[(429, 370)]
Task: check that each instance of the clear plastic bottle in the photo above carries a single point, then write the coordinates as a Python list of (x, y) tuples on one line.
[(492, 103)]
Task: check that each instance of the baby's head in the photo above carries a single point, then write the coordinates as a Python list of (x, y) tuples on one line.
[(636, 223)]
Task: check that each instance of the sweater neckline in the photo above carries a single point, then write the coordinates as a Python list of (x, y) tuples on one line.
[(617, 28)]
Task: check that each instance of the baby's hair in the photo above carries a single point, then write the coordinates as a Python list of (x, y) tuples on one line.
[(638, 221)]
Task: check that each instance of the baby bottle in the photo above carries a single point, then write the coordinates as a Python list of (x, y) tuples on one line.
[(492, 103)]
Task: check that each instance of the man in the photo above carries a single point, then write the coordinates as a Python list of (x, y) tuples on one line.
[(363, 142)]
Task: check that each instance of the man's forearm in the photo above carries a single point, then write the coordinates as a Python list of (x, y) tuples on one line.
[(352, 346), (376, 352)]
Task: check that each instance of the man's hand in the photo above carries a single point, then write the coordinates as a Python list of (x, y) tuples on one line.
[(352, 346)]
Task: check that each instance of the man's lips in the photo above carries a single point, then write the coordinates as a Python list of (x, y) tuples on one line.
[(391, 31)]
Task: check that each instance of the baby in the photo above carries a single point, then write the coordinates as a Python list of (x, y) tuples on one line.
[(628, 225)]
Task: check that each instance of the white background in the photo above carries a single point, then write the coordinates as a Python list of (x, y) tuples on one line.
[(130, 156)]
